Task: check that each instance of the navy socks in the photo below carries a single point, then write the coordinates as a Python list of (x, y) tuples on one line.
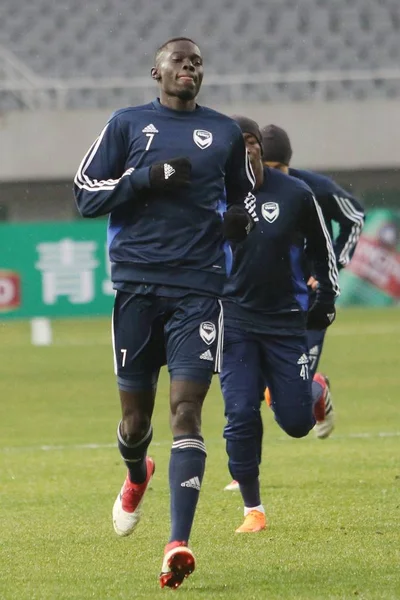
[(186, 470)]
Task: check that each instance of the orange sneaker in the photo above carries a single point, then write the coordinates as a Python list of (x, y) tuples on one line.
[(126, 510), (253, 522), (178, 563), (267, 397)]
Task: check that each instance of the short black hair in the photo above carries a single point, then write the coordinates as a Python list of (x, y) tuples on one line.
[(277, 147), (165, 44)]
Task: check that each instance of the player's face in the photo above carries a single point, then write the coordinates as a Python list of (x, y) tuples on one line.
[(253, 148), (180, 70)]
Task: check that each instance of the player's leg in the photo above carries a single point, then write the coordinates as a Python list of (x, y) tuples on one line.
[(186, 471), (287, 372), (324, 411), (241, 391), (194, 342), (137, 355), (233, 485)]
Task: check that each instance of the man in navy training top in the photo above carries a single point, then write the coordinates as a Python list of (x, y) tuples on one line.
[(172, 176), (338, 206), (266, 305)]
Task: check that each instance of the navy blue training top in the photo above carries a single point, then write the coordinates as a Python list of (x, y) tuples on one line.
[(171, 239), (267, 289)]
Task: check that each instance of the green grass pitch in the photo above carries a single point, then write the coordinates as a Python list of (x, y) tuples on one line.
[(333, 505)]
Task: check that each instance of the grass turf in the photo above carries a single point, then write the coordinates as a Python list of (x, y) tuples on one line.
[(332, 505)]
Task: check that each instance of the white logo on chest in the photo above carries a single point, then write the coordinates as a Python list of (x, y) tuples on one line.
[(202, 138), (270, 211)]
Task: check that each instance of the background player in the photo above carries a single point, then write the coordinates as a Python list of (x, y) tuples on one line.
[(160, 171), (266, 303), (337, 206)]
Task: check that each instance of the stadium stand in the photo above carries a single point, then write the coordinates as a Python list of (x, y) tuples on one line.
[(298, 41)]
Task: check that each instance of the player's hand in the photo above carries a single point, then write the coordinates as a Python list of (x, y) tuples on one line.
[(170, 174), (313, 283), (321, 315), (237, 224)]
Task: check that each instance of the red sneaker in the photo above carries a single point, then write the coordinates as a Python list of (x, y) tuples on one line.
[(323, 409), (126, 510), (233, 486), (178, 563)]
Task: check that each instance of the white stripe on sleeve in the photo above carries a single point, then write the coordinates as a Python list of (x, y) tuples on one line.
[(332, 268), (249, 171), (344, 257), (357, 217), (82, 181), (348, 209)]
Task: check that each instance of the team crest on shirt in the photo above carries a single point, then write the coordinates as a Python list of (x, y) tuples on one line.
[(270, 211), (202, 138), (208, 332)]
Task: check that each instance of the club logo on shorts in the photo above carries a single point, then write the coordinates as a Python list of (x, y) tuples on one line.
[(202, 138), (208, 332), (270, 211)]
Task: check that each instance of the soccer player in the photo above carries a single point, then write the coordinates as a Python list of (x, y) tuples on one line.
[(338, 206), (164, 172), (266, 305)]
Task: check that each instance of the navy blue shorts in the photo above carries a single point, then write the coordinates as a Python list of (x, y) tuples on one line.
[(250, 362), (315, 345), (151, 331)]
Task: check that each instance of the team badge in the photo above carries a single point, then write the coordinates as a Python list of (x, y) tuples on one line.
[(270, 211), (202, 138), (208, 332)]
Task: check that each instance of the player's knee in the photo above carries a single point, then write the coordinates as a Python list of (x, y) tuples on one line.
[(297, 428), (297, 431), (186, 404), (134, 427), (242, 421), (186, 418)]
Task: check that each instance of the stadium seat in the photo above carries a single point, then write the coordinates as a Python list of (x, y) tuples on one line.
[(117, 38)]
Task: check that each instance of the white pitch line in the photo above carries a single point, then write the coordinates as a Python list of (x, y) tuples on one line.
[(379, 434), (334, 331), (62, 448), (351, 330)]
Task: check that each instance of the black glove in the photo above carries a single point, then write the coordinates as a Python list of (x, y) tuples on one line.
[(321, 315), (170, 174), (237, 224)]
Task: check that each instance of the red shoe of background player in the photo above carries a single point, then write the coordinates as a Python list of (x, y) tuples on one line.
[(323, 409)]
